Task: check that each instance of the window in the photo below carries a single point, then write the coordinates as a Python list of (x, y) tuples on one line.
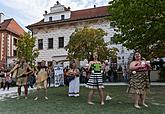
[(50, 43), (62, 17), (122, 51), (50, 18), (40, 43), (14, 53), (61, 42), (15, 41)]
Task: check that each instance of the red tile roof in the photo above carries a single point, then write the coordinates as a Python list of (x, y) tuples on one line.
[(4, 24), (78, 15), (88, 13), (12, 26)]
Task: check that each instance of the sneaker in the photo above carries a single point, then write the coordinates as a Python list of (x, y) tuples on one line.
[(145, 105), (36, 98), (108, 98), (137, 106), (46, 98), (102, 103), (90, 103)]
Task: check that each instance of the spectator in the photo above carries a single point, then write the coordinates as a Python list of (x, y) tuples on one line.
[(7, 80), (125, 74), (85, 73), (2, 76), (31, 79), (49, 75), (120, 73), (106, 70)]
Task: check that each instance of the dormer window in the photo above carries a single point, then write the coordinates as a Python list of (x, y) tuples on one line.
[(62, 17), (50, 18)]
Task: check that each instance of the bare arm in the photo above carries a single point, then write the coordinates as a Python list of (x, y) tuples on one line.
[(77, 72), (90, 63), (35, 71), (134, 66), (68, 73), (12, 70), (30, 69), (148, 66)]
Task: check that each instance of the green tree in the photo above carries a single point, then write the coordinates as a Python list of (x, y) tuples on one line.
[(84, 41), (25, 48), (140, 24)]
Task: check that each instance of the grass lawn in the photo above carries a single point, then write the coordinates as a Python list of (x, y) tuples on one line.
[(59, 103)]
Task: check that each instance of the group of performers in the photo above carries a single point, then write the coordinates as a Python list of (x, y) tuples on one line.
[(22, 70), (138, 85)]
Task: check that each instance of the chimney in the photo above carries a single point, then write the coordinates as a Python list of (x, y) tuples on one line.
[(94, 6), (69, 8), (46, 12), (2, 17), (58, 3)]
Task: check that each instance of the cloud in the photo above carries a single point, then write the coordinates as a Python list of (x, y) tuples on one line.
[(27, 12)]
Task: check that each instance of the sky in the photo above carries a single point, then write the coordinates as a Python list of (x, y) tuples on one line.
[(27, 12)]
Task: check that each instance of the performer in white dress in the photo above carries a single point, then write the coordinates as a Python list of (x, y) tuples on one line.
[(74, 84)]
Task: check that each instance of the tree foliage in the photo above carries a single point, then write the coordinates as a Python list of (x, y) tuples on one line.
[(25, 48), (84, 41), (140, 24)]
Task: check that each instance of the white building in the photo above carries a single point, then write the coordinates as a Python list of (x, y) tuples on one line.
[(53, 32)]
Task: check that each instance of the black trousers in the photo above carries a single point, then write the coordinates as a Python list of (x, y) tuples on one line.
[(48, 80), (7, 84)]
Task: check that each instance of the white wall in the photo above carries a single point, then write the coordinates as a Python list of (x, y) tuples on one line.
[(48, 54), (66, 31), (57, 16)]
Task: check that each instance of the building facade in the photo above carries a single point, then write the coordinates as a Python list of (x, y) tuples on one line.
[(54, 31), (9, 34)]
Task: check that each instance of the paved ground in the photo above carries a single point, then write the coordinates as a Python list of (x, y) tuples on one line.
[(11, 93)]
